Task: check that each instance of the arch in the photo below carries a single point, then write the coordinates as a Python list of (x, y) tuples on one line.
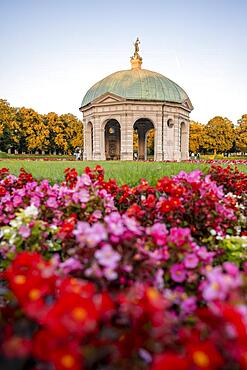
[(112, 135), (183, 140), (141, 128)]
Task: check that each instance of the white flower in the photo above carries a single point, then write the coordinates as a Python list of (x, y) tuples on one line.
[(31, 211), (16, 222)]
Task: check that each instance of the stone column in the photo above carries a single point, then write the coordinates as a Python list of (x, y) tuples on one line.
[(127, 137), (97, 152), (85, 153), (158, 138), (176, 142), (102, 138), (168, 137)]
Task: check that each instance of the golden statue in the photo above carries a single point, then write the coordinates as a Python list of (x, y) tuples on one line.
[(136, 44), (136, 60)]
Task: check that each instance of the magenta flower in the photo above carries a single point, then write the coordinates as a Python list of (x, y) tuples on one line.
[(17, 200), (191, 261), (188, 305), (231, 268), (179, 236), (81, 196), (178, 273), (159, 234), (52, 203)]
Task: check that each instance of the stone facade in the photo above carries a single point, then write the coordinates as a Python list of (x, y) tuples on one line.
[(136, 99), (170, 122)]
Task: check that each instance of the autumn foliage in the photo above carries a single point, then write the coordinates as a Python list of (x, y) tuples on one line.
[(25, 130)]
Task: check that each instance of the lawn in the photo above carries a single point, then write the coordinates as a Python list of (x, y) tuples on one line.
[(123, 172)]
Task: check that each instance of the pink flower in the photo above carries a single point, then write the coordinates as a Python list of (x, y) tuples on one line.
[(107, 257), (191, 261), (81, 196), (115, 224), (71, 264), (90, 236), (24, 231), (231, 268), (159, 279), (110, 274), (52, 203), (178, 273), (83, 180), (17, 200)]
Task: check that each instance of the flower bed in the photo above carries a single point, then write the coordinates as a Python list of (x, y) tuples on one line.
[(101, 276)]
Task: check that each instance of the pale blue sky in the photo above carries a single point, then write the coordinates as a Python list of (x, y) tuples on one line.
[(51, 52)]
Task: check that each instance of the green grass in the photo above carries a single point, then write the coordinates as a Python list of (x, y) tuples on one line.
[(123, 172), (38, 156)]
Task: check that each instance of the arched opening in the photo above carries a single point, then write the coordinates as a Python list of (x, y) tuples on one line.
[(183, 140), (112, 140), (143, 139), (89, 140)]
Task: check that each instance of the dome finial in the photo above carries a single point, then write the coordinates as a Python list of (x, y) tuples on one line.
[(136, 60)]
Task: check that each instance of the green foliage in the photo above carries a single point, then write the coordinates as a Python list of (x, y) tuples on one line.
[(235, 249)]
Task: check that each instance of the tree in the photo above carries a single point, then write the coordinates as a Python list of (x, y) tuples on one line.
[(219, 135), (32, 131), (7, 125), (196, 136), (150, 142), (73, 129), (57, 137), (135, 140), (241, 134)]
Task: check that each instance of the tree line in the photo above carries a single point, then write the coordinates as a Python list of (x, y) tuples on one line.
[(219, 135), (24, 130)]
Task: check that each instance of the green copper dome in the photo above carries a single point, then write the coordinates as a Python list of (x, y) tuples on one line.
[(137, 84)]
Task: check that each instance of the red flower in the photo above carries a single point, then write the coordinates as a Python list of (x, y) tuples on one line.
[(204, 355), (64, 354), (72, 314), (32, 280), (135, 211), (150, 201), (170, 361), (2, 191), (67, 226), (70, 177)]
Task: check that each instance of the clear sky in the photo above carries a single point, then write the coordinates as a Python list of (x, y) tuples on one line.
[(51, 51)]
